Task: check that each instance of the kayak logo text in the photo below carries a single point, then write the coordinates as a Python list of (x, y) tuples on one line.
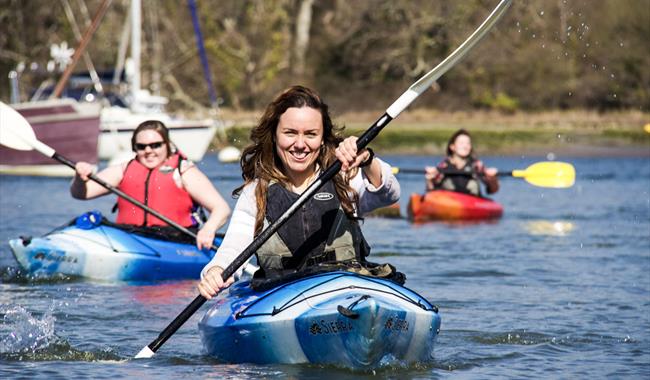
[(397, 324), (323, 196), (330, 327), (54, 256)]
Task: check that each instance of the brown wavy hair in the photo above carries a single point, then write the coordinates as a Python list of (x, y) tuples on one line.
[(260, 161), (157, 126)]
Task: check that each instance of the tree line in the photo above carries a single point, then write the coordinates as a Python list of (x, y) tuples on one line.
[(361, 55)]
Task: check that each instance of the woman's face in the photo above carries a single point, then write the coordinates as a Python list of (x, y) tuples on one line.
[(150, 148), (462, 146), (298, 139)]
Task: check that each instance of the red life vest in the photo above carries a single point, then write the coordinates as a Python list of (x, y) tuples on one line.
[(157, 189)]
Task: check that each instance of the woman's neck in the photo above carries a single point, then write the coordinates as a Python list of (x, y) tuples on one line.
[(300, 181), (458, 161)]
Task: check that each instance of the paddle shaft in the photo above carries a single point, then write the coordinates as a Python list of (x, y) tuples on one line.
[(327, 175), (122, 194), (449, 172)]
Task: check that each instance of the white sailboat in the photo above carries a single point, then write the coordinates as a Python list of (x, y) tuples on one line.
[(191, 137)]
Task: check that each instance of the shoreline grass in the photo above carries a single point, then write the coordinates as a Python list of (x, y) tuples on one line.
[(427, 132)]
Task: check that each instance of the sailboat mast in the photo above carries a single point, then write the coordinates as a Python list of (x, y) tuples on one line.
[(135, 46)]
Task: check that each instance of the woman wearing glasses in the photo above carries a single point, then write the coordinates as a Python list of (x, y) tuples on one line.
[(162, 179)]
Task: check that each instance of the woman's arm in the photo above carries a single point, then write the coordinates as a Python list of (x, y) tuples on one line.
[(488, 176), (371, 196), (491, 180), (205, 194), (238, 236), (84, 188)]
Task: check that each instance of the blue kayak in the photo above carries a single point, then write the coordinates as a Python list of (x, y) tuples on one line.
[(103, 251), (337, 318)]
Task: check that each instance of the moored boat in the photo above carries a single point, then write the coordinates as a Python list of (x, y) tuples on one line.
[(72, 127), (451, 205), (191, 136), (93, 248), (337, 318)]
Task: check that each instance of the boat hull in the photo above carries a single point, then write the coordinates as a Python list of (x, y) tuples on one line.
[(338, 318), (108, 253), (451, 205), (68, 126)]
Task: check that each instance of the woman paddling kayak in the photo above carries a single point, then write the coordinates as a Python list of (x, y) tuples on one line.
[(293, 141), (461, 171), (162, 179)]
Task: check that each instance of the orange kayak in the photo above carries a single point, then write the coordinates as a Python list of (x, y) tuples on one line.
[(392, 211), (450, 205)]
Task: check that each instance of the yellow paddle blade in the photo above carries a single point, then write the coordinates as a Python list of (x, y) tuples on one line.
[(548, 174)]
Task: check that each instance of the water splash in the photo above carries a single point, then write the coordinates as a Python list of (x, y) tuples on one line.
[(23, 332), (25, 337)]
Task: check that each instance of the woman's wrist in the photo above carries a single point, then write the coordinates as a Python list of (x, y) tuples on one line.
[(368, 160)]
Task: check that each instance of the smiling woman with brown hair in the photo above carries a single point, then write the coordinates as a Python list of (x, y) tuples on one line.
[(293, 141), (461, 170)]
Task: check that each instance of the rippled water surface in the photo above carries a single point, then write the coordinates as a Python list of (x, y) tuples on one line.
[(558, 288)]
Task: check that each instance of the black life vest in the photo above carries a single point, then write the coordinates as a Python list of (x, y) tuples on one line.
[(465, 181), (318, 237)]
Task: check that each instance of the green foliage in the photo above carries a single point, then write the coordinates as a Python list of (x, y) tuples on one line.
[(501, 102), (543, 54)]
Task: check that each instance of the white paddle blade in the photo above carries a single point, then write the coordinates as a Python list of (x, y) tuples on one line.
[(145, 353), (15, 131)]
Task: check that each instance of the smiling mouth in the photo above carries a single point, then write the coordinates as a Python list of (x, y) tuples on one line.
[(299, 155)]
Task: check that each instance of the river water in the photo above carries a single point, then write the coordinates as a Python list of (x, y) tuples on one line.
[(558, 288)]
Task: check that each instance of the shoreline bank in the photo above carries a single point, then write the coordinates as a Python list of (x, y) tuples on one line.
[(425, 132)]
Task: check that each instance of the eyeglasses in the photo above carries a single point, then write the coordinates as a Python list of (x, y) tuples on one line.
[(153, 145)]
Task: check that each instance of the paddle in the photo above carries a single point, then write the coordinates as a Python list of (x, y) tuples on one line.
[(16, 133), (391, 112), (543, 174)]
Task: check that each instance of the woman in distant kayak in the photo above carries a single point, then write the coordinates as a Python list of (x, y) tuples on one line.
[(162, 179), (461, 171), (294, 141)]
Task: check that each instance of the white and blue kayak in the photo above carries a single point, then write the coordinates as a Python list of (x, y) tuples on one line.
[(338, 318), (92, 248)]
